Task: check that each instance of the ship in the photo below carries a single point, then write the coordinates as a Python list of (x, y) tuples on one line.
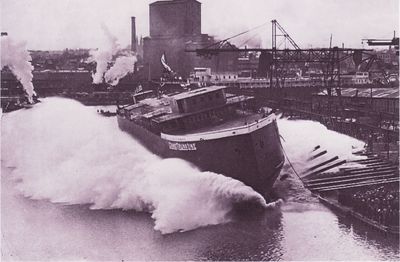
[(212, 129)]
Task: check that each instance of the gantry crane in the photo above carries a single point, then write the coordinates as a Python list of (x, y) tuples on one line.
[(373, 57), (273, 58), (385, 42)]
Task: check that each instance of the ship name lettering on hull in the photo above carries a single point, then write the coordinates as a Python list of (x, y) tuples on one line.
[(182, 146)]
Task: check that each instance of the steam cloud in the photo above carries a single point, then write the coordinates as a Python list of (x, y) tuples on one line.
[(17, 58), (103, 56), (77, 157), (122, 66)]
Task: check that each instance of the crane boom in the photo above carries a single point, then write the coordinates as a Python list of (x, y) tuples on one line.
[(285, 34)]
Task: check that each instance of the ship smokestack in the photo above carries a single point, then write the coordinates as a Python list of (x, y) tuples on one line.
[(133, 34)]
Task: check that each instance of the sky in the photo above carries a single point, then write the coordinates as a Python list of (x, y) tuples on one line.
[(60, 24)]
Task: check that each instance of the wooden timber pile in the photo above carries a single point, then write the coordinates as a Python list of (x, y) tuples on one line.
[(336, 189), (372, 171)]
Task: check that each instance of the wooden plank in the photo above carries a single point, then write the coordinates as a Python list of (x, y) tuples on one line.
[(318, 155), (327, 168), (366, 169), (379, 165), (316, 148), (371, 169), (322, 164), (374, 161), (366, 160), (353, 185), (383, 182), (316, 180), (344, 181)]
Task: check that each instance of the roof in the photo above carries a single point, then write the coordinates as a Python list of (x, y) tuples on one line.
[(133, 106), (171, 116), (163, 2), (392, 93), (197, 92)]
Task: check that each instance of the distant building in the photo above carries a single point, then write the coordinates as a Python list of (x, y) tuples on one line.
[(175, 18), (388, 56), (175, 26), (248, 64), (382, 101), (357, 79), (204, 76)]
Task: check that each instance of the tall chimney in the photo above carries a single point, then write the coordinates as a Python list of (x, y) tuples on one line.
[(133, 34)]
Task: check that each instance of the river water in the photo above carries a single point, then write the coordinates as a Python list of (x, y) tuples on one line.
[(74, 187)]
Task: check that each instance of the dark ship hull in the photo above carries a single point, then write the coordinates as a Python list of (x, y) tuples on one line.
[(251, 153)]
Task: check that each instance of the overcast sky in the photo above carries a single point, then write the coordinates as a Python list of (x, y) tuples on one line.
[(59, 24)]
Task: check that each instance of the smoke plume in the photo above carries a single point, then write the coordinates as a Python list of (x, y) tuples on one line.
[(122, 66), (73, 156), (102, 56), (16, 57)]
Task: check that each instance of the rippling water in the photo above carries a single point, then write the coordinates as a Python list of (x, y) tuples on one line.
[(68, 174)]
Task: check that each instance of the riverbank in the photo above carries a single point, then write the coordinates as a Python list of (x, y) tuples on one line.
[(348, 211)]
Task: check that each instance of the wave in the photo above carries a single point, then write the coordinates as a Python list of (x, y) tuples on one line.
[(64, 152)]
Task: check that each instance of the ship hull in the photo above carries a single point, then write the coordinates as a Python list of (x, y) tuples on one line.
[(252, 154)]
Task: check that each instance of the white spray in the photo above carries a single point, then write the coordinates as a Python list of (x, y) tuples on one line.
[(301, 136), (74, 156), (122, 66), (16, 57), (102, 56)]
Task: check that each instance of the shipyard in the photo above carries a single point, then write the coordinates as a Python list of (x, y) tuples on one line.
[(200, 130)]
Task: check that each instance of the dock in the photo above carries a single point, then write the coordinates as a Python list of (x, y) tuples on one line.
[(341, 191)]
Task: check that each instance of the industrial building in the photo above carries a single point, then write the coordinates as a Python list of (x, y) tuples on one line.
[(175, 26), (381, 102)]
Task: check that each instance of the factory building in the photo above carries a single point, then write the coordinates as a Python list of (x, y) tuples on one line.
[(383, 102), (175, 18), (175, 26)]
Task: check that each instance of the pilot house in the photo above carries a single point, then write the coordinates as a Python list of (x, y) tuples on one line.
[(198, 99), (199, 108), (193, 110)]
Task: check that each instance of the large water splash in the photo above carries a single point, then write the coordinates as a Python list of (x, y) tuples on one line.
[(300, 137), (15, 56), (66, 153)]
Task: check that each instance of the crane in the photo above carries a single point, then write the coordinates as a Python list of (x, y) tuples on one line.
[(273, 58), (384, 42)]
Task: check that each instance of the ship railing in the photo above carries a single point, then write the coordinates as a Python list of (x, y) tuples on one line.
[(241, 130)]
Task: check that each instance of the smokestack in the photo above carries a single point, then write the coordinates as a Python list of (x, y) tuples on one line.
[(133, 34)]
